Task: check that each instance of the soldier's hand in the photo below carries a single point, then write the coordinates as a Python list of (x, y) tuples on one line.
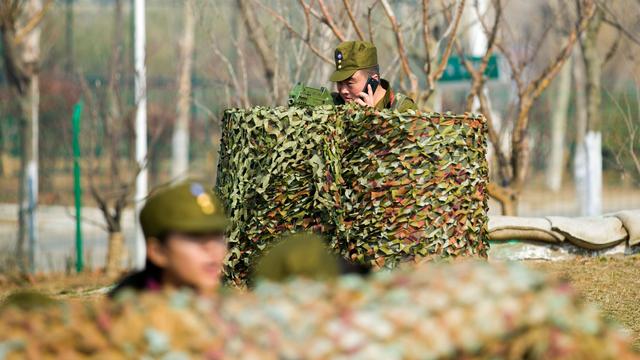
[(365, 98)]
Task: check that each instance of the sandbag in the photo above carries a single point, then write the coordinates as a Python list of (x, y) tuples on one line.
[(590, 232), (505, 228), (631, 222)]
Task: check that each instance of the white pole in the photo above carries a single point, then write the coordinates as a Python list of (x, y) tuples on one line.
[(141, 124)]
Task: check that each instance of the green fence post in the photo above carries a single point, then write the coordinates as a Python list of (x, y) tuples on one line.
[(77, 190)]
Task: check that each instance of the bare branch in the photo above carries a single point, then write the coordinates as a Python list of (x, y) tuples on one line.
[(612, 50), (369, 12), (328, 19), (537, 86), (451, 33), (32, 23), (406, 68), (612, 20), (259, 40), (291, 30), (347, 7), (85, 219)]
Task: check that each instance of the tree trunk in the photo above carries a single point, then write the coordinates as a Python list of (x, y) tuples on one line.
[(580, 157), (115, 252), (29, 102), (593, 139), (180, 141), (555, 168), (507, 199)]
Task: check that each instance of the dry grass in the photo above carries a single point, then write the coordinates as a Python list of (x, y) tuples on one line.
[(611, 282), (86, 285)]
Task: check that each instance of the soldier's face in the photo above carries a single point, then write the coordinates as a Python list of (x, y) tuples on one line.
[(194, 261), (351, 88)]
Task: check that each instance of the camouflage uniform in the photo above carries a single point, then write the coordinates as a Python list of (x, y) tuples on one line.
[(351, 56)]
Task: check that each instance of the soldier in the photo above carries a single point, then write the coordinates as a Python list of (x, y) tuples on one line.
[(357, 78), (184, 229)]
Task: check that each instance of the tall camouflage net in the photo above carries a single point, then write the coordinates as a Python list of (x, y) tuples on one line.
[(468, 310), (382, 186)]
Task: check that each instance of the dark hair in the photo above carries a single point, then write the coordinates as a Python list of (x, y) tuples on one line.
[(139, 280), (374, 70)]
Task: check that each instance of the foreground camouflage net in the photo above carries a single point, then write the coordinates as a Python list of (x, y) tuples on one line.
[(384, 187), (471, 310)]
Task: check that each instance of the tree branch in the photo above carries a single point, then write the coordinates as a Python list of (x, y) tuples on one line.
[(347, 7), (406, 68)]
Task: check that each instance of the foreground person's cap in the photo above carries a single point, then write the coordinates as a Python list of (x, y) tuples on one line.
[(187, 207)]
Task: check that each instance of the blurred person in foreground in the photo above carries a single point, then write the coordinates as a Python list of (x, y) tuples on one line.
[(303, 255), (357, 78), (184, 228)]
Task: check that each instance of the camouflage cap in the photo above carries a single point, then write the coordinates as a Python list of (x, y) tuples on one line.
[(351, 56), (188, 207), (301, 254)]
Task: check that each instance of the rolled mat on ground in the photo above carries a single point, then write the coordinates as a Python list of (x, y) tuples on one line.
[(470, 310), (382, 186)]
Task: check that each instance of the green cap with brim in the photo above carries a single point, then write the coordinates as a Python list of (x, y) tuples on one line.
[(188, 207), (351, 56)]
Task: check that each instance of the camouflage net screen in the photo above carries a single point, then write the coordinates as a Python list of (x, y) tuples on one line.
[(470, 310), (383, 187)]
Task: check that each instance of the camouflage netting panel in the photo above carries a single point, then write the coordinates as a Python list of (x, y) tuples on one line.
[(382, 186), (438, 311), (278, 172), (415, 186)]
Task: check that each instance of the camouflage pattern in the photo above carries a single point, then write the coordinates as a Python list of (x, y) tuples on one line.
[(382, 186), (470, 310)]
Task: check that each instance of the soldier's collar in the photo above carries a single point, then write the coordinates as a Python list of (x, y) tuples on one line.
[(386, 101)]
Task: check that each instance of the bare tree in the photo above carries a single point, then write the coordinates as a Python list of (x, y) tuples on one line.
[(433, 49), (180, 144), (513, 162), (20, 22), (556, 165), (626, 147), (342, 18), (112, 174)]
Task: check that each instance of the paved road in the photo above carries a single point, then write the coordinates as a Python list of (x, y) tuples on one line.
[(55, 250)]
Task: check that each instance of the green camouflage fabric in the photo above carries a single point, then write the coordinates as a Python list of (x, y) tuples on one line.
[(468, 310), (382, 187)]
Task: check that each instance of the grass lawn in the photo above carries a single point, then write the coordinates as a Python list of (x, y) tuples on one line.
[(611, 282)]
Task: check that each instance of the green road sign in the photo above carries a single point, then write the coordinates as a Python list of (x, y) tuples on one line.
[(456, 71)]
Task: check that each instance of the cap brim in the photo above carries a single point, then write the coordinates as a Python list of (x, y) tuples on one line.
[(341, 75)]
